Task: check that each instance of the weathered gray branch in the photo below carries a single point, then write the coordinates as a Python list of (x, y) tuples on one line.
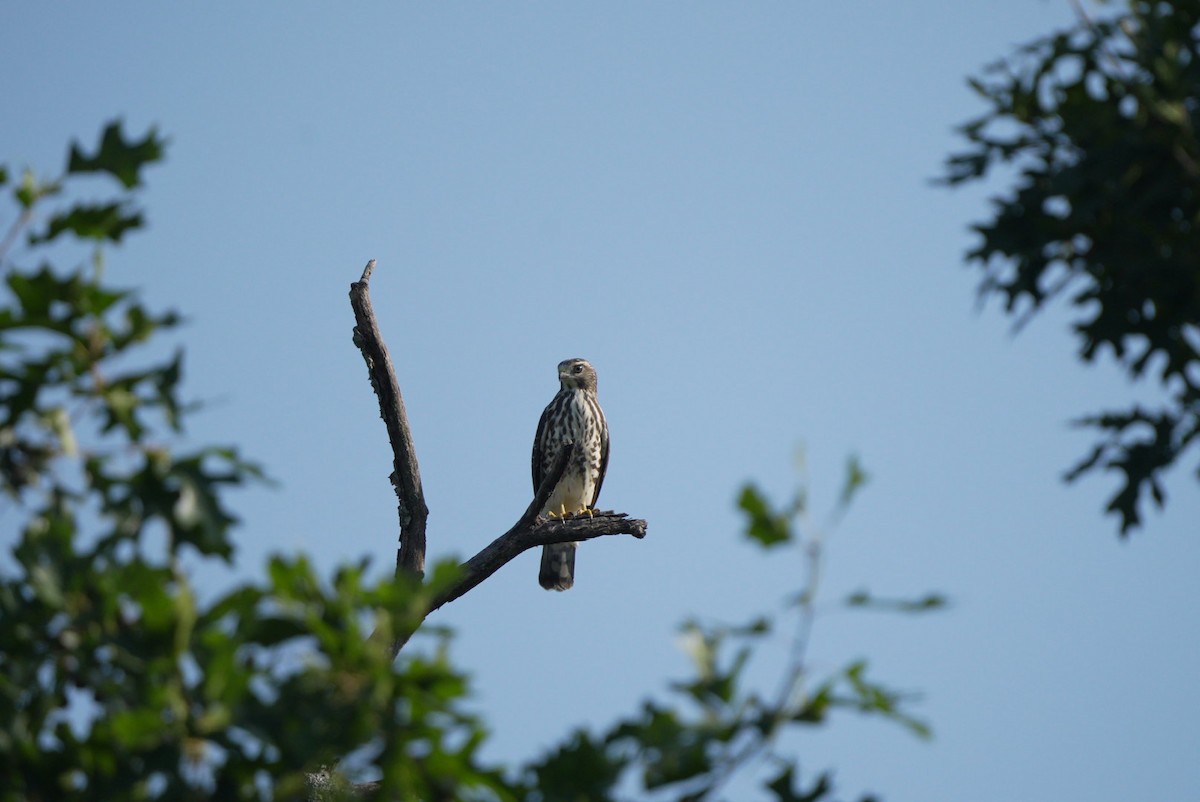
[(531, 531), (406, 476), (541, 533)]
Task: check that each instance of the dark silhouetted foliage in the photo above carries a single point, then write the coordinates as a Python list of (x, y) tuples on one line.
[(1099, 124)]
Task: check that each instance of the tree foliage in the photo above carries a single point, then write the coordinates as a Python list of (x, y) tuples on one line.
[(1099, 123), (718, 724), (116, 682), (119, 681)]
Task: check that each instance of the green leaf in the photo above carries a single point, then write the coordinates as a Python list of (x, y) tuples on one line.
[(137, 729), (31, 190), (927, 603), (581, 769), (763, 525), (109, 221), (871, 697), (816, 705), (786, 786), (856, 478), (676, 752), (123, 159), (37, 292)]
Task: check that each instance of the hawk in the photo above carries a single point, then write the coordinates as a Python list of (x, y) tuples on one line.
[(573, 416)]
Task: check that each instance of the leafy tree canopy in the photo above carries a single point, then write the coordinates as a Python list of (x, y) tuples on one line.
[(1099, 124), (115, 681)]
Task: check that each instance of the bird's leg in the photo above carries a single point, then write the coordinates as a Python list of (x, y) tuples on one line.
[(564, 513)]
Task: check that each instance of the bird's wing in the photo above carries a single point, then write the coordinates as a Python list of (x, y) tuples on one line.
[(538, 447), (603, 460)]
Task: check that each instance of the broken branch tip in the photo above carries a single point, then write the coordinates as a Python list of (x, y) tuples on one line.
[(366, 276)]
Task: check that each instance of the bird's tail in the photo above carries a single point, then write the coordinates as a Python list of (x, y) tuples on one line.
[(558, 566)]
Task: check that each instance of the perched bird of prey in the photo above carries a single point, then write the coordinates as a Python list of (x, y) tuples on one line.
[(573, 416)]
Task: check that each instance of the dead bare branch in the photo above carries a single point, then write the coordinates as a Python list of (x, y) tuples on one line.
[(406, 475)]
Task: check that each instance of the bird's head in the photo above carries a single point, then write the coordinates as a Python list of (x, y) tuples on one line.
[(577, 374)]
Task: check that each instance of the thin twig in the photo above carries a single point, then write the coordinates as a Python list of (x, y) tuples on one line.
[(11, 236)]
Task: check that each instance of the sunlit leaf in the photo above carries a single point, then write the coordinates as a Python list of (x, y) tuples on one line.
[(30, 190)]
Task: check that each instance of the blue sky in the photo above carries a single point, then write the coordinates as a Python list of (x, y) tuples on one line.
[(727, 209)]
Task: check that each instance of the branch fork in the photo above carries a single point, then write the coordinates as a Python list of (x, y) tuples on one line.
[(531, 529)]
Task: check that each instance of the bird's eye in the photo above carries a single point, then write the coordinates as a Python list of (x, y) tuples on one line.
[(577, 369)]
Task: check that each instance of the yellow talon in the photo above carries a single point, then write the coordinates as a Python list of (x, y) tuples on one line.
[(562, 514)]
